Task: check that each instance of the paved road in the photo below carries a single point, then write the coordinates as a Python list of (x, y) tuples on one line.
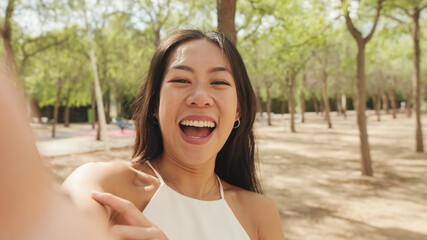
[(78, 139)]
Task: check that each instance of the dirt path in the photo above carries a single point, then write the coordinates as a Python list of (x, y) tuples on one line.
[(314, 177)]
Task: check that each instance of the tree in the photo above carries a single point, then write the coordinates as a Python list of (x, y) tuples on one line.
[(226, 10), (6, 33), (360, 75), (413, 9), (98, 92)]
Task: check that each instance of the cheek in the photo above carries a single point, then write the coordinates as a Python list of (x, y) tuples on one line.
[(168, 106)]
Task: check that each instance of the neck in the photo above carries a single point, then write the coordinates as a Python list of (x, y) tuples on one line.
[(195, 181)]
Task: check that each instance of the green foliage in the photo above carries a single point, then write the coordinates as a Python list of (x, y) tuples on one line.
[(275, 38)]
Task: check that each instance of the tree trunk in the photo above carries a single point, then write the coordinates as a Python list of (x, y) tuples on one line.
[(98, 92), (339, 107), (6, 33), (385, 105), (56, 107), (355, 102), (419, 145), (93, 106), (157, 36), (226, 11), (67, 110), (108, 106), (283, 107), (325, 98), (302, 97), (361, 112), (377, 106), (291, 104), (393, 103), (268, 86), (258, 100), (361, 94), (316, 104), (409, 103), (321, 107), (344, 105)]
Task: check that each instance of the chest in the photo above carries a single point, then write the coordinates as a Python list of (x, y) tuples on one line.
[(181, 217)]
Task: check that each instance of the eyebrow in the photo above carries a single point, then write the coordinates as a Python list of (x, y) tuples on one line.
[(211, 70)]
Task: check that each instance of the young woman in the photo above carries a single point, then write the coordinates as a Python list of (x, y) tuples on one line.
[(193, 174)]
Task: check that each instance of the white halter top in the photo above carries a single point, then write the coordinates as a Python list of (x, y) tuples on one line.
[(184, 218)]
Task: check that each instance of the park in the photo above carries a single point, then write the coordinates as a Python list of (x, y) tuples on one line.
[(340, 88)]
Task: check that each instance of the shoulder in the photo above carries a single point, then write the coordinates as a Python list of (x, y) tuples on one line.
[(257, 213), (107, 174), (97, 173), (122, 179)]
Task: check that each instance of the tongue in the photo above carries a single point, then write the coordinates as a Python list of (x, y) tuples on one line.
[(197, 132)]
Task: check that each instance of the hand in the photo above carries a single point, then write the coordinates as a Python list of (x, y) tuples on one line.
[(138, 226)]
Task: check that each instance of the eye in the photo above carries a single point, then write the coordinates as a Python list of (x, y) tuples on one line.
[(179, 81), (220, 82)]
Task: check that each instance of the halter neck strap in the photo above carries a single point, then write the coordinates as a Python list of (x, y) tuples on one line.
[(163, 182), (155, 172), (220, 187)]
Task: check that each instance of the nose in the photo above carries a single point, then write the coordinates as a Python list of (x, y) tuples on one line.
[(200, 97)]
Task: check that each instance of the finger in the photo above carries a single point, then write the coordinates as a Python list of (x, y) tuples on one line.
[(127, 209), (140, 233)]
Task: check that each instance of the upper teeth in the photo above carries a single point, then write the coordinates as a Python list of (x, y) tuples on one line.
[(198, 123)]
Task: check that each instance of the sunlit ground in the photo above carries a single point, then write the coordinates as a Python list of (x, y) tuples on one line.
[(314, 177)]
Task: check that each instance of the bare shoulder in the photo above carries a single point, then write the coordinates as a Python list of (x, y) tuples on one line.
[(96, 174), (257, 213), (122, 179)]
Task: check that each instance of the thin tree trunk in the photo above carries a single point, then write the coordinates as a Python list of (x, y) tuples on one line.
[(283, 107), (108, 106), (93, 107), (325, 98), (6, 33), (302, 97), (98, 130), (56, 107), (361, 113), (322, 107), (385, 105), (344, 105), (361, 88), (339, 107), (67, 110), (268, 86), (98, 92), (419, 145), (291, 104), (157, 36), (377, 106), (393, 103), (258, 100), (409, 103), (355, 102), (316, 104), (226, 11)]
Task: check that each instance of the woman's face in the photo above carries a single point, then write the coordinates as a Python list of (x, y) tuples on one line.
[(198, 102)]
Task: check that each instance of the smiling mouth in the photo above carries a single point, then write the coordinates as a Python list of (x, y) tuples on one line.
[(197, 129)]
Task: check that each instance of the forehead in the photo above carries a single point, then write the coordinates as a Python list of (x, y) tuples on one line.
[(200, 52)]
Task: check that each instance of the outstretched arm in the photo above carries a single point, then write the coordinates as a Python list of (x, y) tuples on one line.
[(29, 208)]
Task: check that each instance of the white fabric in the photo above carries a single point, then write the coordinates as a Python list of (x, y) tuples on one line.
[(184, 218)]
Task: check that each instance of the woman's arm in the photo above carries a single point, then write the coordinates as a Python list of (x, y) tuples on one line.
[(29, 207)]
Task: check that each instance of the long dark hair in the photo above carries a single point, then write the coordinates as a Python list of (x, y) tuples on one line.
[(235, 162)]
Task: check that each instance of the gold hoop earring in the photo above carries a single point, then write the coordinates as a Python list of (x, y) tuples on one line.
[(238, 123)]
